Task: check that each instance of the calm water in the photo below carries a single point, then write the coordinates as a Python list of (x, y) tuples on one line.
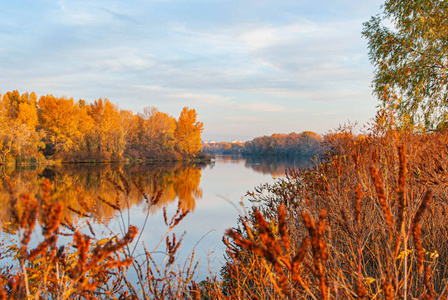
[(211, 192)]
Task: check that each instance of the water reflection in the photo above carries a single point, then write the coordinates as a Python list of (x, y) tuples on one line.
[(221, 185), (230, 159), (276, 166), (78, 186), (273, 165)]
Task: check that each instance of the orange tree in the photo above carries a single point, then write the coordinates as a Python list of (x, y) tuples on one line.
[(188, 132)]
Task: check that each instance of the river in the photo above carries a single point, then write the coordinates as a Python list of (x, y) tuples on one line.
[(210, 192)]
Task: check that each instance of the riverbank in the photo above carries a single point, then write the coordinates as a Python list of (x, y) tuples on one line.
[(374, 207), (23, 161)]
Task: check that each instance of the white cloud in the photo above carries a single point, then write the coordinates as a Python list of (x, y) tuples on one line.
[(149, 87), (81, 13), (245, 119), (270, 36), (225, 103), (261, 107), (201, 99), (117, 60), (259, 38)]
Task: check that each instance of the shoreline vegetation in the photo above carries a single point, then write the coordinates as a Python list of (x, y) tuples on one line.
[(368, 221), (50, 129)]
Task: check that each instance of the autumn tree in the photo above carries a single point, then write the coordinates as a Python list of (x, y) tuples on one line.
[(129, 126), (85, 125), (27, 114), (112, 131), (188, 132), (408, 45), (165, 126), (158, 130), (305, 144), (10, 104), (108, 135), (18, 124), (20, 108), (77, 131), (309, 143), (65, 121), (149, 125)]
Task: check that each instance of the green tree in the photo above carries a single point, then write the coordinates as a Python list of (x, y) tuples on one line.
[(408, 45)]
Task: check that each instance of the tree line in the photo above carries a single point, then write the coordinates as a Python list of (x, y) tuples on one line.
[(303, 144), (70, 130)]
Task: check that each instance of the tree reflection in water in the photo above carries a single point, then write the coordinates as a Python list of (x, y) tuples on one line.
[(79, 185), (88, 182), (276, 165), (273, 165)]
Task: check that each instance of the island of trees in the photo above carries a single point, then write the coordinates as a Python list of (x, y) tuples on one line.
[(32, 128)]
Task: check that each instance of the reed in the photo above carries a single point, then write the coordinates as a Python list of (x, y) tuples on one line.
[(367, 222), (86, 268), (372, 211)]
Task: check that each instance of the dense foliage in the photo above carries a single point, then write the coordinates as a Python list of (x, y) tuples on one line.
[(305, 144), (408, 45), (223, 147), (76, 131), (368, 222)]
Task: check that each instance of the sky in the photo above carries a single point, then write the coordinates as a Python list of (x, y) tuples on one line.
[(249, 68)]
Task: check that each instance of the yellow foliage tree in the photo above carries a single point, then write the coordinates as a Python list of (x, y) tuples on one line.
[(158, 129), (27, 114), (18, 122), (188, 132), (108, 134), (67, 122)]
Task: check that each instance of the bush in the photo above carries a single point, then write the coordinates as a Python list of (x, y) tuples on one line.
[(368, 220)]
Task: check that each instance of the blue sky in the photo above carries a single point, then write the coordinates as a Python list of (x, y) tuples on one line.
[(249, 68)]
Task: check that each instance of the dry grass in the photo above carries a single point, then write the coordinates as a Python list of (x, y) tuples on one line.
[(87, 267), (367, 222)]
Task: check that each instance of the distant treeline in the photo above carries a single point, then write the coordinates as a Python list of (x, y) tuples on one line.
[(304, 144), (70, 130)]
